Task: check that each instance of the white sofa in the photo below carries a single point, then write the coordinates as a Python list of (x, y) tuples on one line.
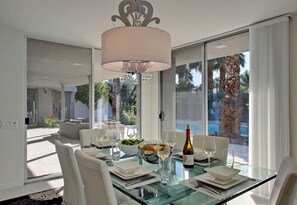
[(71, 128)]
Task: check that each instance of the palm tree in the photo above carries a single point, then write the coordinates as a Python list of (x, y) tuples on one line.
[(245, 82), (232, 104)]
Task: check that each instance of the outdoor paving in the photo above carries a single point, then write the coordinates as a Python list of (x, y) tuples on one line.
[(42, 158)]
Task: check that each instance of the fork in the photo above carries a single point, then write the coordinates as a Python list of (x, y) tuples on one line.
[(197, 184)]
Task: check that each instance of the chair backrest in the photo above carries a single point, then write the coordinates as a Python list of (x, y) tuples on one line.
[(285, 185), (96, 179), (73, 185), (222, 144), (180, 138), (88, 136)]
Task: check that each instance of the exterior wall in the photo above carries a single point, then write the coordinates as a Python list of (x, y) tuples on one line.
[(45, 103), (12, 107)]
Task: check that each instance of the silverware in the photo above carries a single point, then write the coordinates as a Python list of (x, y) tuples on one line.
[(199, 184), (140, 180)]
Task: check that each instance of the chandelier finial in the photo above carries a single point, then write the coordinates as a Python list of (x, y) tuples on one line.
[(135, 13)]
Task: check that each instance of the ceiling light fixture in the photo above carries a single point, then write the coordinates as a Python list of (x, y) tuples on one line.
[(136, 48), (220, 46)]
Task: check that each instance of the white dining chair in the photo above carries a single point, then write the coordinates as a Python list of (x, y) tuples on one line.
[(284, 190), (88, 136), (180, 138), (97, 182), (222, 144), (73, 186)]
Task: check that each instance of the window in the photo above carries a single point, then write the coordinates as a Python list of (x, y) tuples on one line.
[(209, 91)]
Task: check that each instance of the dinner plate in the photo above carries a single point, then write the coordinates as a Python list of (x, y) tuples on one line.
[(208, 179), (221, 182), (106, 143), (138, 173)]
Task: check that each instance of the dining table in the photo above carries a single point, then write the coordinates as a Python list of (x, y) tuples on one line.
[(181, 185)]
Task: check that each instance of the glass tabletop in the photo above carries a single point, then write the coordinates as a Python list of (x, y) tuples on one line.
[(158, 193)]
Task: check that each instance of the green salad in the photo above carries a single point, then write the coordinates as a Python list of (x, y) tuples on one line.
[(131, 141)]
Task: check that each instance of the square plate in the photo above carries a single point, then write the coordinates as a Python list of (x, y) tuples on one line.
[(222, 173), (127, 167), (208, 179), (94, 152), (138, 173)]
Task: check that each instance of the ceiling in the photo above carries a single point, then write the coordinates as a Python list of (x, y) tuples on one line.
[(81, 23)]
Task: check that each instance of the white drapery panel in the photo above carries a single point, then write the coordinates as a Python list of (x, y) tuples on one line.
[(269, 93)]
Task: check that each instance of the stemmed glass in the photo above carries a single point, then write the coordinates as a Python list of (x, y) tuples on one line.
[(102, 136), (163, 151), (131, 132), (170, 139), (209, 147)]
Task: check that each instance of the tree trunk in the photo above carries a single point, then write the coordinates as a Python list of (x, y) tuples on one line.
[(232, 104), (116, 88)]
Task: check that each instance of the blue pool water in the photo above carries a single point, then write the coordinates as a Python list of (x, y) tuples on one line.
[(213, 127)]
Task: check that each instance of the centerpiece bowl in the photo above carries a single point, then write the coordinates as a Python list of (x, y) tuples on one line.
[(130, 146), (148, 152)]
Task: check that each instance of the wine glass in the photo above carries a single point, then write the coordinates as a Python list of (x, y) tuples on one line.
[(170, 139), (130, 132), (209, 147), (163, 152), (101, 137)]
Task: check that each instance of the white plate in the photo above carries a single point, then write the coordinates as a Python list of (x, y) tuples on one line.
[(206, 178), (219, 181), (106, 143), (127, 167), (93, 152), (100, 155), (222, 173), (138, 173)]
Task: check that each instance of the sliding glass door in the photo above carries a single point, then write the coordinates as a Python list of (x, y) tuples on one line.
[(207, 88), (54, 74), (182, 88)]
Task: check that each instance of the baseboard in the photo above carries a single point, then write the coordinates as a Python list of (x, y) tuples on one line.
[(11, 185)]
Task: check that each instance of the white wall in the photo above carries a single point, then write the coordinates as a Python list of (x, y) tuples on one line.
[(45, 103), (81, 110), (149, 108), (293, 85), (12, 107)]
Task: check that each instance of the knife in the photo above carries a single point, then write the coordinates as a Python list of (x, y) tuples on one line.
[(140, 180)]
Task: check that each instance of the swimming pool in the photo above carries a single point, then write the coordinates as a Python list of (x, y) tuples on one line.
[(213, 127)]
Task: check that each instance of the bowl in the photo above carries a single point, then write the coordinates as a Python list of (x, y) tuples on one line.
[(148, 152), (126, 166), (129, 149), (222, 173)]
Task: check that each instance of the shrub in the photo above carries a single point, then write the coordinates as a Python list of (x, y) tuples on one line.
[(48, 122)]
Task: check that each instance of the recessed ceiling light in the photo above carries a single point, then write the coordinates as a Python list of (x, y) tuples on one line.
[(44, 78), (220, 46), (77, 64)]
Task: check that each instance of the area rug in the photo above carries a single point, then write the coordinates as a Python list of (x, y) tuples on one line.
[(49, 197)]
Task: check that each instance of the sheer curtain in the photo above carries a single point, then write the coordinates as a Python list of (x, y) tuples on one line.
[(269, 93)]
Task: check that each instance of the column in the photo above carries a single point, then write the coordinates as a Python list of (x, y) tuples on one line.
[(62, 102)]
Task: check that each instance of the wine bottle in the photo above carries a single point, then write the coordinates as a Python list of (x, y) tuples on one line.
[(188, 151)]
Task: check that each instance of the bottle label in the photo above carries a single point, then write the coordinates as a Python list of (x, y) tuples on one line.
[(188, 159)]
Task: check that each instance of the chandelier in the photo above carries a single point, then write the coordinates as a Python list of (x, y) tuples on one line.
[(136, 48)]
